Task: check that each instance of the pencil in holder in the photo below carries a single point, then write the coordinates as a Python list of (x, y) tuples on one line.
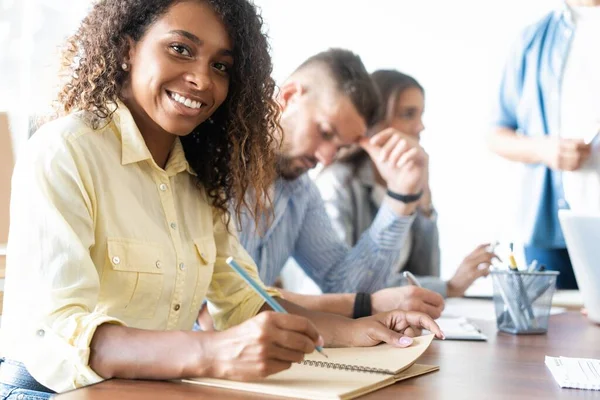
[(523, 300)]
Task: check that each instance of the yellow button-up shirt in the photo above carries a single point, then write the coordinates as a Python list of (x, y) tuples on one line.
[(100, 234)]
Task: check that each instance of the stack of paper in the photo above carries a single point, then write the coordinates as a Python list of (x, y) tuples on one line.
[(576, 373)]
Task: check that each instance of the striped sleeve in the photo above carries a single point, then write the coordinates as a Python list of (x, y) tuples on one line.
[(336, 267)]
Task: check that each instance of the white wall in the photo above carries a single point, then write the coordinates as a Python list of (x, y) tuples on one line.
[(31, 32), (456, 49)]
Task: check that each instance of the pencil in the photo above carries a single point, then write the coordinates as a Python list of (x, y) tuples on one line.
[(258, 289)]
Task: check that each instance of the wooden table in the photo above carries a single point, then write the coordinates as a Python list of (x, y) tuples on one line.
[(505, 367)]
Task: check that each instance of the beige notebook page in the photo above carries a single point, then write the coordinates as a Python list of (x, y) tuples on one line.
[(311, 382)]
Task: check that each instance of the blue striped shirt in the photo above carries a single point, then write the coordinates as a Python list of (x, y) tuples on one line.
[(300, 228)]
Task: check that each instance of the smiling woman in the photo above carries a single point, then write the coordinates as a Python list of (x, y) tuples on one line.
[(119, 220), (176, 61)]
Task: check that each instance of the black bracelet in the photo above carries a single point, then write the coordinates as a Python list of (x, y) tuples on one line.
[(362, 305), (405, 198)]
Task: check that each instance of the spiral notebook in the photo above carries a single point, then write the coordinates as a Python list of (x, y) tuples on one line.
[(348, 373)]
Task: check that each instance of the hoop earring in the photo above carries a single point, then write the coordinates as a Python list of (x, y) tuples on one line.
[(125, 66)]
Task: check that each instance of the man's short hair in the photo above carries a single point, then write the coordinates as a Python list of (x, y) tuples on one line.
[(351, 79)]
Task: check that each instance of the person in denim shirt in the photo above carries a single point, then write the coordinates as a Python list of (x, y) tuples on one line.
[(529, 128)]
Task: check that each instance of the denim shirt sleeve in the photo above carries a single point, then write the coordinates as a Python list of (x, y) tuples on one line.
[(506, 102), (336, 267)]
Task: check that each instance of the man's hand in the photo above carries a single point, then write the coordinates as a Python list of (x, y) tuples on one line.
[(563, 154), (408, 298), (399, 159), (394, 327), (475, 265), (263, 345)]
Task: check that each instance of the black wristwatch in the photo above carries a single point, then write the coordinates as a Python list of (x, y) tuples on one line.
[(405, 198), (362, 305)]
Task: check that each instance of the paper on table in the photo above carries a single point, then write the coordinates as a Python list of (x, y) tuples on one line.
[(459, 328), (576, 373)]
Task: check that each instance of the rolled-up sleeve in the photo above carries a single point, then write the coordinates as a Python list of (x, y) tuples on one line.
[(54, 291), (231, 300), (506, 102)]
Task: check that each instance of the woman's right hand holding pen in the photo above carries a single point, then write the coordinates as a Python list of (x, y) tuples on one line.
[(264, 345)]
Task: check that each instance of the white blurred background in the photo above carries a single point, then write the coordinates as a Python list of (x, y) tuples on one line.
[(455, 49)]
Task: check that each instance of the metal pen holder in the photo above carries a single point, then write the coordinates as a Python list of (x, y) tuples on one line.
[(523, 300)]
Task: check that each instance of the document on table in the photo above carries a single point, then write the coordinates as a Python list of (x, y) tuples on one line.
[(576, 373), (460, 328)]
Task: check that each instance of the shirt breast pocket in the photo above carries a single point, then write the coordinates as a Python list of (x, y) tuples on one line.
[(132, 280), (206, 253)]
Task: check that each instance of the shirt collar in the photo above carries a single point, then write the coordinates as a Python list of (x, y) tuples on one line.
[(177, 161), (134, 147), (566, 13)]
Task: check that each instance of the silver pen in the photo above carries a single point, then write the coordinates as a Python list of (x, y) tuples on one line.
[(411, 278)]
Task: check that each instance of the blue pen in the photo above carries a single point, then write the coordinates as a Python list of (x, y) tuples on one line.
[(268, 299)]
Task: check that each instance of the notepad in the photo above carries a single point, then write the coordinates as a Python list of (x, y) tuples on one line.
[(575, 373), (459, 328), (347, 374)]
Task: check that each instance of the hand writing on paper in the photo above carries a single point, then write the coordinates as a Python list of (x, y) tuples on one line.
[(394, 327), (408, 298), (263, 345)]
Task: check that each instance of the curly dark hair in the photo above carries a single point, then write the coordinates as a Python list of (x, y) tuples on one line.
[(232, 155)]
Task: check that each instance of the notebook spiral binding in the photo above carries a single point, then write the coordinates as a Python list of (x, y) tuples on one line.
[(347, 367)]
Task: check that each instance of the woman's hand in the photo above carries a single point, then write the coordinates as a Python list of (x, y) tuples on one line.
[(475, 265), (262, 346), (394, 327)]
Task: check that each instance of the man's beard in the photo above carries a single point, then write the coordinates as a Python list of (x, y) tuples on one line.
[(287, 170)]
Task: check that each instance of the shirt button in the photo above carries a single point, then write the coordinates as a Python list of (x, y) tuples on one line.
[(20, 396), (162, 187), (176, 307), (173, 225), (116, 260), (158, 264), (181, 266), (41, 333)]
